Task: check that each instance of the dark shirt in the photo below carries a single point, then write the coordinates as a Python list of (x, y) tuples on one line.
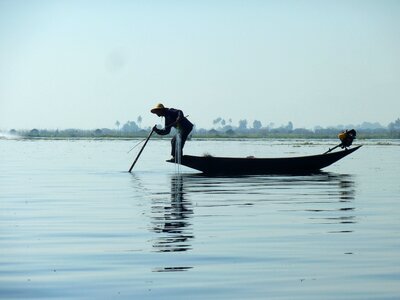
[(171, 115)]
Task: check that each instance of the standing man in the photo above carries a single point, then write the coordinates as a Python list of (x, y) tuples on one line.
[(173, 118)]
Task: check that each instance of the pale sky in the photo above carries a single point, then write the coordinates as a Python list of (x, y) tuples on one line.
[(86, 64)]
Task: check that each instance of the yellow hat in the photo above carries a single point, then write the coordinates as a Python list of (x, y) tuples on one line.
[(158, 107)]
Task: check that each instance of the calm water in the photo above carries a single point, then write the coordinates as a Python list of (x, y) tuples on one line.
[(74, 224)]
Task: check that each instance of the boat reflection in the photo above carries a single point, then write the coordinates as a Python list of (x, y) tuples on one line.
[(171, 219), (324, 199), (328, 197), (344, 211)]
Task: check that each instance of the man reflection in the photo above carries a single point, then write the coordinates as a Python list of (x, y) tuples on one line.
[(172, 220)]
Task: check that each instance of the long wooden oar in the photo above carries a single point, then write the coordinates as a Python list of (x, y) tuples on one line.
[(141, 150)]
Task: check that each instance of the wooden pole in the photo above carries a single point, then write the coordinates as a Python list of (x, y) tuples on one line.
[(330, 149), (141, 150)]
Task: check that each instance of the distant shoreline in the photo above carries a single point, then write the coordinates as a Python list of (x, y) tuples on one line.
[(195, 136), (131, 130)]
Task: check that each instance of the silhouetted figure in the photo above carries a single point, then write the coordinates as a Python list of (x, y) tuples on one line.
[(173, 118)]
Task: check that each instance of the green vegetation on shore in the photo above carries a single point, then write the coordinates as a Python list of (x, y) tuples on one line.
[(132, 130)]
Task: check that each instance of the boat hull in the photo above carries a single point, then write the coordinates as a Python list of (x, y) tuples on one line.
[(211, 165)]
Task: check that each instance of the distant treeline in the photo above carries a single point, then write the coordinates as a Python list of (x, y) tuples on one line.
[(221, 130)]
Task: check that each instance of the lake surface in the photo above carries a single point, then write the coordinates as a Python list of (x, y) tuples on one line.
[(74, 224)]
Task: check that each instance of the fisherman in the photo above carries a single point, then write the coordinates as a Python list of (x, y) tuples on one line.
[(173, 118)]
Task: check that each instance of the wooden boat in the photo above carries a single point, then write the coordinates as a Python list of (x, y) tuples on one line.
[(211, 165)]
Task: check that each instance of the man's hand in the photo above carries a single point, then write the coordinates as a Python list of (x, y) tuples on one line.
[(155, 128)]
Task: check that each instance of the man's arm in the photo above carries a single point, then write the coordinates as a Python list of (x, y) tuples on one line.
[(164, 131)]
